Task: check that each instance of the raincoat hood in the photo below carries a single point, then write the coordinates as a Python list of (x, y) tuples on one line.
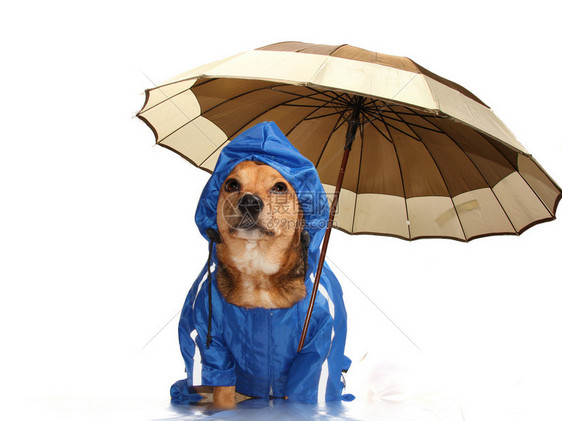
[(255, 349), (266, 143)]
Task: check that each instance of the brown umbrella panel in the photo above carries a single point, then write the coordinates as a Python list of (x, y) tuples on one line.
[(429, 160)]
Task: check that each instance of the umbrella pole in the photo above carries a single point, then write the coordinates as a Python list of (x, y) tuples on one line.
[(349, 138)]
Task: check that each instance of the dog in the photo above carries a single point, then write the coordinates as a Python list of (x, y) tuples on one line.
[(260, 256), (247, 307)]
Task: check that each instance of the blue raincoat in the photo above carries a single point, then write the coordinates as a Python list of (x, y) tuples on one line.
[(256, 349)]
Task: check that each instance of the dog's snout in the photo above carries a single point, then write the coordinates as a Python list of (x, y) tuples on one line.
[(250, 203)]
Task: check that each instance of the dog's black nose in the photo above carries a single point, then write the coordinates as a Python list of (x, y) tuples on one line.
[(250, 205)]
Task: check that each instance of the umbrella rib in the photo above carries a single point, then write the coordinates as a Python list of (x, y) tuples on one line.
[(236, 96), (416, 137), (304, 106), (335, 100), (300, 121), (337, 125), (425, 118), (341, 124), (374, 111), (380, 131), (402, 180), (335, 129), (412, 113), (261, 89), (204, 80), (402, 131), (262, 113), (317, 107), (254, 118), (305, 96), (326, 93), (320, 116), (300, 96), (399, 119), (287, 104), (229, 137)]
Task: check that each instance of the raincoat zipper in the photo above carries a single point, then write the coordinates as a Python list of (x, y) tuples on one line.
[(270, 365)]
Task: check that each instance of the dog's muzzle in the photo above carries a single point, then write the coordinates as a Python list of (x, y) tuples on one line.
[(250, 206)]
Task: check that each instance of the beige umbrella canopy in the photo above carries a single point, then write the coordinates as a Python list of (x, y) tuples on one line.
[(430, 158)]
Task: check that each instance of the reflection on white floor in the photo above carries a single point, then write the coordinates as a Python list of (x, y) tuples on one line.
[(391, 379), (382, 405)]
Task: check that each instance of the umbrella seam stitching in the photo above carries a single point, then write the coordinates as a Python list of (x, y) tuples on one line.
[(536, 194), (402, 180), (526, 182), (435, 100), (357, 186), (448, 190), (167, 98)]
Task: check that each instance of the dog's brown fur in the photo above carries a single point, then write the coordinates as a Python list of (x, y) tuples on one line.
[(262, 266)]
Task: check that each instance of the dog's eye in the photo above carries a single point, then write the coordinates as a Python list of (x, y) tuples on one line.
[(231, 185), (280, 188)]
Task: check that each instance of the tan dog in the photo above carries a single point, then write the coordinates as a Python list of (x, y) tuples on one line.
[(260, 256)]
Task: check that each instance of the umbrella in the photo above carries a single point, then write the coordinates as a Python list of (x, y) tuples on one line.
[(400, 150)]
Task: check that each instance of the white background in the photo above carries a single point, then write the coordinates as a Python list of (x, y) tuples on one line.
[(98, 245)]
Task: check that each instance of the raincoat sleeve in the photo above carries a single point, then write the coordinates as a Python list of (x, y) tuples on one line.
[(219, 368), (304, 373), (186, 326), (182, 392)]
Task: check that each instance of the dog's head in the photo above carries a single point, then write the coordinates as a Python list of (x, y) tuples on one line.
[(260, 222), (256, 203)]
